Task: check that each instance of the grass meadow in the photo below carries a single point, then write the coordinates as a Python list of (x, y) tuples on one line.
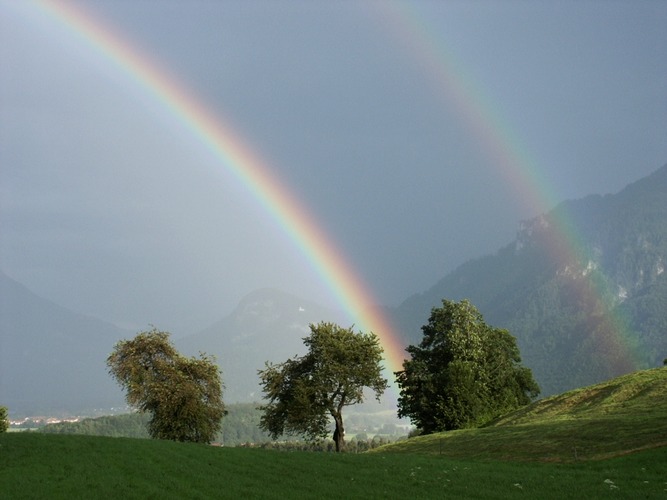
[(604, 441), (60, 466), (613, 418)]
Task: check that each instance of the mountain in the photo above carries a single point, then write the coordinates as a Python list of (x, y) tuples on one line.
[(582, 287), (52, 359), (267, 325)]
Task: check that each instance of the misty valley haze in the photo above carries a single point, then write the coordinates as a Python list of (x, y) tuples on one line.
[(53, 358)]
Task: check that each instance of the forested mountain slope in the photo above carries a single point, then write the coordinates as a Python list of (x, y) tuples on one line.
[(582, 287)]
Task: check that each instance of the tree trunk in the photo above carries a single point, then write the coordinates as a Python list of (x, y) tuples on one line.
[(339, 433)]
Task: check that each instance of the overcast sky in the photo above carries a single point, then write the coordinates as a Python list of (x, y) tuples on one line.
[(379, 117)]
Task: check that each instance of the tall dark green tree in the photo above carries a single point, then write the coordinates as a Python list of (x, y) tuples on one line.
[(304, 393), (463, 374), (182, 395)]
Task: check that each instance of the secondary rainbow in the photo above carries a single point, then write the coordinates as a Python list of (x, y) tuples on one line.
[(252, 171), (427, 49)]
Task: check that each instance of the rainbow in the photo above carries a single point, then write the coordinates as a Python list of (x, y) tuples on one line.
[(234, 154), (451, 83)]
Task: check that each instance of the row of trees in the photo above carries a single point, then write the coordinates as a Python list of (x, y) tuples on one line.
[(463, 374)]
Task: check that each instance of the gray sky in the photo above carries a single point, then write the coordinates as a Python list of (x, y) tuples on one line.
[(110, 207)]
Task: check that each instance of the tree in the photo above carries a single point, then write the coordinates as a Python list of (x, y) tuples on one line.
[(182, 395), (304, 392), (463, 374), (4, 419)]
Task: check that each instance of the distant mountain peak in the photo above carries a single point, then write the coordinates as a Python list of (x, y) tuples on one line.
[(267, 325)]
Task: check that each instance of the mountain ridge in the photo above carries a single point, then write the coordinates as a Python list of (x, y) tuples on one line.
[(563, 300)]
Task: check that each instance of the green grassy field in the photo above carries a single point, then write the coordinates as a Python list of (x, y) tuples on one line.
[(613, 418), (619, 429), (61, 466)]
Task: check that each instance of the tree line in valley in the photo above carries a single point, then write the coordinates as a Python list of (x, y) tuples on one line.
[(240, 427), (464, 373)]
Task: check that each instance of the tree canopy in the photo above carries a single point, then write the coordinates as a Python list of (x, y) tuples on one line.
[(182, 395), (304, 392), (463, 373)]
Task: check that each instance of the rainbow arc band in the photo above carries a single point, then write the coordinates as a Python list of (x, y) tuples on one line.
[(411, 31), (238, 158)]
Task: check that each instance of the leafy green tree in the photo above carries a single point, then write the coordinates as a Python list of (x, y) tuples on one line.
[(304, 392), (182, 395), (4, 419), (463, 374)]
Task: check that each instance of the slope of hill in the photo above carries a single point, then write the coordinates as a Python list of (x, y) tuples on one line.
[(613, 418), (583, 288), (52, 359), (638, 397), (267, 325)]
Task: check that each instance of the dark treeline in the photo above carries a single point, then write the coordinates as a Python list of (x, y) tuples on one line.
[(240, 427), (132, 425)]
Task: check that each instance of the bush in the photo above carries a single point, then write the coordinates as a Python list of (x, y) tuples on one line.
[(4, 419)]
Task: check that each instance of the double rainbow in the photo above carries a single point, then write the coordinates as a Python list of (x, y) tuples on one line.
[(450, 82)]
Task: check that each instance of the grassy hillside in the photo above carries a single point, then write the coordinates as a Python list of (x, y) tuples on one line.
[(607, 439), (67, 466), (616, 417)]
